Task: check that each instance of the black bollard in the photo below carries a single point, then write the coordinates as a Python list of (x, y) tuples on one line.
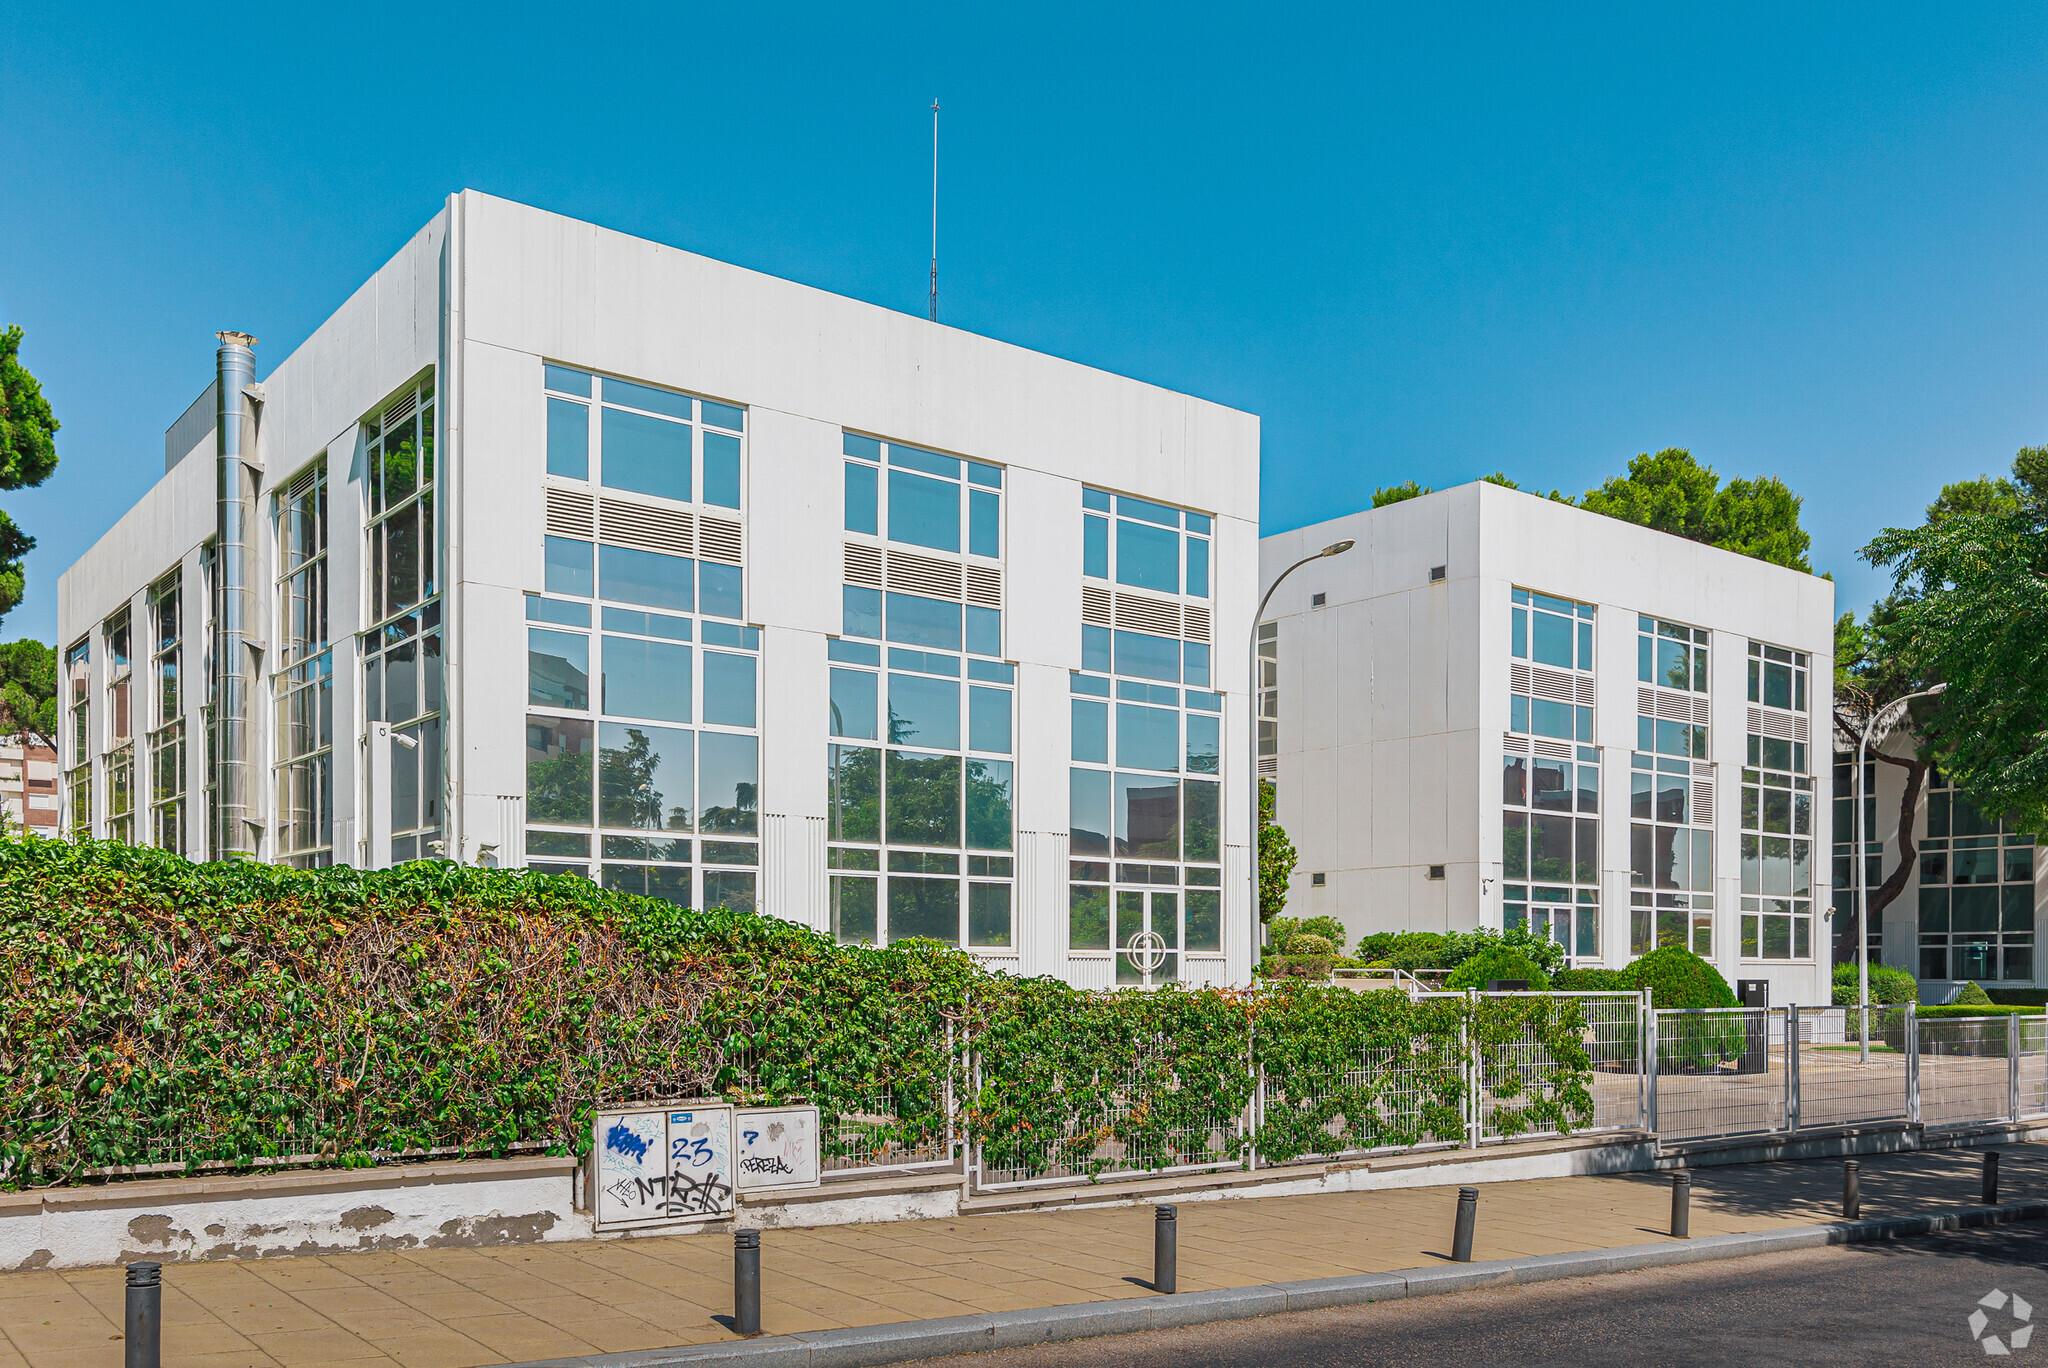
[(144, 1343), (1165, 1248), (1468, 1216), (746, 1282), (1990, 1177), (1681, 1205), (1852, 1190)]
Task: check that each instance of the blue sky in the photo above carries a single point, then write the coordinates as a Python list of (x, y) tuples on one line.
[(1426, 242)]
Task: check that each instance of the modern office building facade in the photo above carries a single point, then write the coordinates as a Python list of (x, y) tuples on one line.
[(1972, 906), (562, 549), (1497, 710)]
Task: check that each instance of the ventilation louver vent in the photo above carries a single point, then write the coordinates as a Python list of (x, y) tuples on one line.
[(1555, 685), (1702, 802), (912, 574), (403, 409), (1518, 679), (1153, 616), (571, 514), (719, 539), (1771, 722), (864, 566), (1513, 744), (646, 529), (984, 586), (1553, 750), (1095, 606), (1196, 620)]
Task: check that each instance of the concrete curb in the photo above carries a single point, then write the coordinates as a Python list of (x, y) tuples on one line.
[(874, 1345)]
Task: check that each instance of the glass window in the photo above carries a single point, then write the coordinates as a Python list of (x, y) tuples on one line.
[(863, 612), (989, 815), (916, 621), (861, 498), (1198, 567), (719, 590), (853, 704), (1203, 827), (988, 914), (988, 720), (728, 689), (1147, 557), (923, 511), (923, 799), (984, 523), (565, 381), (1095, 547), (646, 577), (984, 631), (1147, 738), (853, 782), (1147, 816), (558, 770), (1088, 812), (1091, 731), (646, 777), (645, 397), (728, 780), (1148, 657), (647, 679), (1205, 744), (568, 567), (924, 712), (721, 469), (568, 439), (557, 670), (646, 455)]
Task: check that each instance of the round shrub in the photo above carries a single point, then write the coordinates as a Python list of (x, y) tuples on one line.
[(1973, 995), (1501, 962), (1588, 981), (1676, 977), (1308, 943), (1887, 985)]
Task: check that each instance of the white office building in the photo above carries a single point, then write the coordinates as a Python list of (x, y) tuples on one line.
[(557, 548), (1496, 710)]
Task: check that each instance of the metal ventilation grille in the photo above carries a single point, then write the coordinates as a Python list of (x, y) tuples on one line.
[(1771, 722), (1095, 606), (403, 409), (984, 586), (719, 539), (1555, 685), (571, 514), (1154, 616), (1197, 622), (1518, 679), (913, 574), (1517, 745), (1587, 693), (864, 566), (647, 529), (1553, 750), (1269, 765), (1703, 802)]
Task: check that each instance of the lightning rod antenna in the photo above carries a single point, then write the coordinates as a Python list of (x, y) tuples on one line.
[(935, 211)]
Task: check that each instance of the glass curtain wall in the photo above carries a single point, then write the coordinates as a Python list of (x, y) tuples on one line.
[(401, 654), (1144, 797), (1976, 892), (120, 762), (1671, 819), (303, 684), (643, 682), (78, 774), (1844, 857), (167, 739), (920, 775), (1550, 775), (1777, 810)]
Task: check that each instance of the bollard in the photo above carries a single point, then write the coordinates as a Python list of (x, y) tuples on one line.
[(144, 1343), (1990, 1177), (1681, 1205), (746, 1282), (1852, 1190), (1165, 1248), (1468, 1216)]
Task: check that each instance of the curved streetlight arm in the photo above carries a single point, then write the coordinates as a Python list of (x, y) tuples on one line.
[(1252, 709), (1890, 714)]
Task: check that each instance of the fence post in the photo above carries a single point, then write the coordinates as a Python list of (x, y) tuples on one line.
[(1791, 1064), (1470, 1039), (2012, 1066), (1912, 1060), (1649, 1034)]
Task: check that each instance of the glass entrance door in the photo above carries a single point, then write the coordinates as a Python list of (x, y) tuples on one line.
[(1147, 937)]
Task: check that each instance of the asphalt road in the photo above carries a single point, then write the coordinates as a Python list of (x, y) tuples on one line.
[(1908, 1302)]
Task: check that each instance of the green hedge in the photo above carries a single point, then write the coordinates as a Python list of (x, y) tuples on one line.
[(1676, 977), (2019, 997), (1887, 984), (161, 1010)]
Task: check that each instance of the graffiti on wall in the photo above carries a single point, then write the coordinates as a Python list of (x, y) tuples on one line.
[(662, 1167)]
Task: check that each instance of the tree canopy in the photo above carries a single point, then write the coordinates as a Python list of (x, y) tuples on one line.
[(28, 453), (28, 691), (1970, 607), (1674, 493)]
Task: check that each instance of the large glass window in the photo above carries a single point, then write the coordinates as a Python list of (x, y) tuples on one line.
[(119, 765), (1976, 891), (1777, 851), (167, 738), (644, 440), (1671, 655), (1144, 805), (303, 684), (1556, 635), (1845, 850), (1550, 848), (1145, 545), (921, 498), (401, 654), (78, 701), (1777, 677)]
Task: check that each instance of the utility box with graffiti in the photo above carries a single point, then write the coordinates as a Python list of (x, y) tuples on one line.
[(778, 1148), (665, 1167)]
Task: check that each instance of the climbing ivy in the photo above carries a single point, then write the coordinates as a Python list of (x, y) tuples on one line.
[(161, 1011)]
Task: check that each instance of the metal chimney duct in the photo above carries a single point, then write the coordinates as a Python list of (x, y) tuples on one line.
[(233, 601)]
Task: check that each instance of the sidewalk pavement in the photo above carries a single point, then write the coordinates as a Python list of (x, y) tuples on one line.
[(452, 1308)]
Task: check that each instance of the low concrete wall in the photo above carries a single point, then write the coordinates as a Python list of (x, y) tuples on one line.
[(415, 1206)]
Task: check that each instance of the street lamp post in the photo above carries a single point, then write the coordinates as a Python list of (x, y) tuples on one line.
[(1881, 722), (1333, 549)]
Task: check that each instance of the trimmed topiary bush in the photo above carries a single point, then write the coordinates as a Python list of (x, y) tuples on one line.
[(1887, 985), (1501, 962), (1588, 981), (1973, 995), (1676, 977)]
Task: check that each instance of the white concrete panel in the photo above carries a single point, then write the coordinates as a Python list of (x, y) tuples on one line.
[(796, 521)]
